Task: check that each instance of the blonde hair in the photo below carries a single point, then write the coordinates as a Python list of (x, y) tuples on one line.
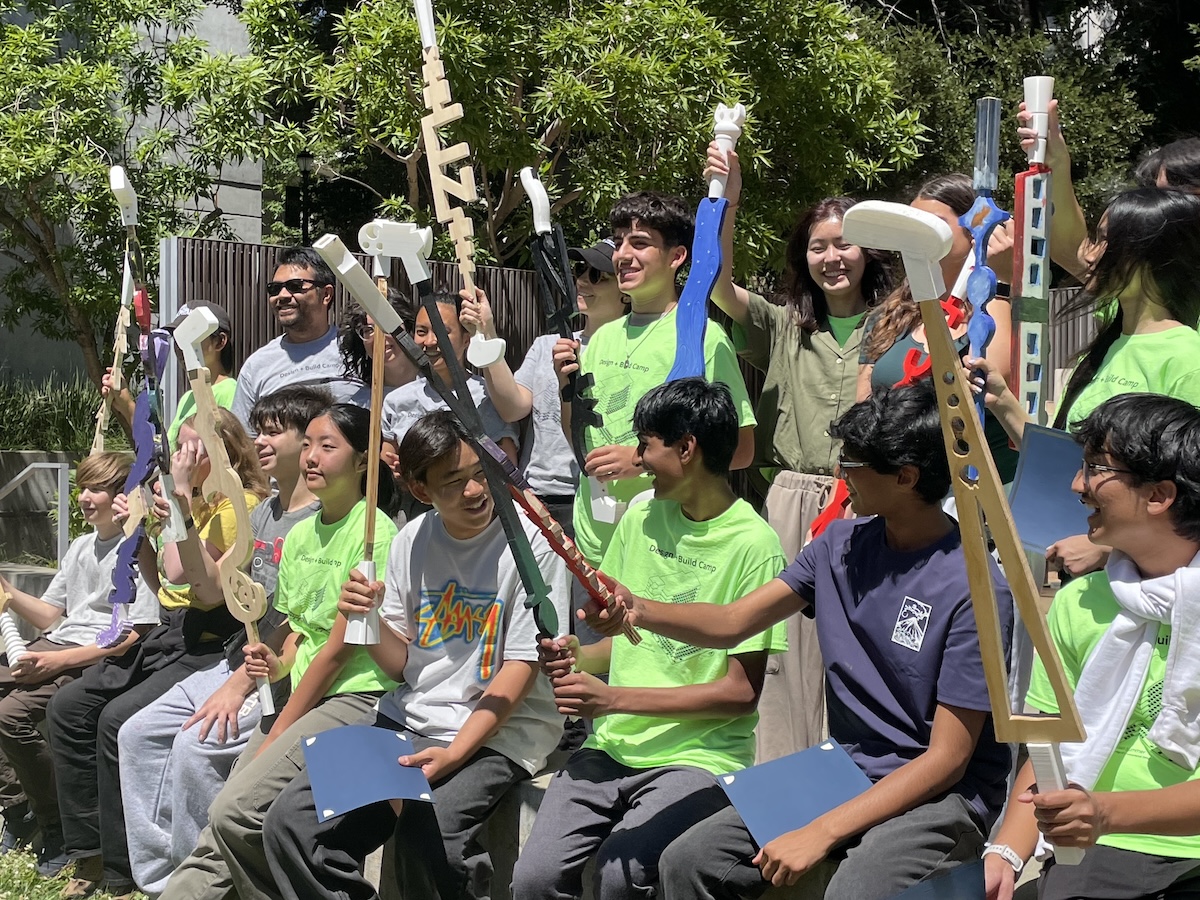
[(104, 472)]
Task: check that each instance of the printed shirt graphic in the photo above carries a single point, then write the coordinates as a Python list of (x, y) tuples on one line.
[(1165, 362), (462, 606), (1079, 616), (911, 624), (897, 634), (659, 553), (627, 360), (317, 561)]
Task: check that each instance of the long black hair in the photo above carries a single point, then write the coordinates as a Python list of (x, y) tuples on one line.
[(354, 423), (355, 362), (803, 296), (1153, 233)]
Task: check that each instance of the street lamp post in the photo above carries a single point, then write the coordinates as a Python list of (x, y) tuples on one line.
[(304, 161)]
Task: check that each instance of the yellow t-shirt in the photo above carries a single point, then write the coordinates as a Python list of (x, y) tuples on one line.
[(216, 525)]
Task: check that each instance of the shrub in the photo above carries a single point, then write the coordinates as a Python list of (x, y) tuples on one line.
[(53, 415)]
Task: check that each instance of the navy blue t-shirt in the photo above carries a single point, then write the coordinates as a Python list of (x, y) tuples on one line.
[(897, 634)]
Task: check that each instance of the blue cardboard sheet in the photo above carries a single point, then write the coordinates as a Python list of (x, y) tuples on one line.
[(1044, 507), (790, 792), (355, 765), (962, 883)]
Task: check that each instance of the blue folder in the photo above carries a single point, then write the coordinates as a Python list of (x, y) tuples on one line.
[(790, 792), (1044, 507), (355, 765), (962, 883)]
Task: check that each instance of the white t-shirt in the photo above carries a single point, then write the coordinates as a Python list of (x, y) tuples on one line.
[(282, 363), (546, 458), (462, 605), (407, 403), (81, 587)]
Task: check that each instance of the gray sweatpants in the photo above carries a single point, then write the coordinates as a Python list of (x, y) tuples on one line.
[(169, 778), (712, 860), (229, 858), (624, 817)]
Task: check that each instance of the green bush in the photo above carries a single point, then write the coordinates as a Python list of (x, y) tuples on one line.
[(53, 415)]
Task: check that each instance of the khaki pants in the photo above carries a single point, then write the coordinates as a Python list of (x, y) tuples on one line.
[(229, 860), (791, 709)]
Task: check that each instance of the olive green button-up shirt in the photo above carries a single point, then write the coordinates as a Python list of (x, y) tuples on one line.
[(810, 382)]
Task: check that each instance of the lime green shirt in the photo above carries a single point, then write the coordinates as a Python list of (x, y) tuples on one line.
[(843, 326), (659, 553), (1079, 616), (810, 381), (317, 560), (627, 359), (222, 392), (1164, 362)]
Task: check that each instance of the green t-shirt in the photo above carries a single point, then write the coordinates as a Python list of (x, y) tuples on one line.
[(317, 560), (1079, 616), (222, 392), (843, 326), (810, 381), (659, 553), (1165, 362), (627, 359)]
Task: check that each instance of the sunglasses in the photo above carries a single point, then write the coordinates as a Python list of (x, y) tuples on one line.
[(843, 463), (292, 285), (595, 276)]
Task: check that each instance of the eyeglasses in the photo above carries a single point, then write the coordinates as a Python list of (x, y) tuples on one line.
[(293, 285), (843, 463), (595, 276), (366, 331), (1090, 468)]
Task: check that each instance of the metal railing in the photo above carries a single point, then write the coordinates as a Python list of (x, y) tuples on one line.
[(64, 498)]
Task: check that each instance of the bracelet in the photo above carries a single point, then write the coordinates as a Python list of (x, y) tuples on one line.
[(1006, 853)]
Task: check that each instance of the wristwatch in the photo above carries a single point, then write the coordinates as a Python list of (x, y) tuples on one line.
[(1006, 853)]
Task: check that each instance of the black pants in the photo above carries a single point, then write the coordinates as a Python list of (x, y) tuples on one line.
[(1109, 873), (84, 718), (438, 848)]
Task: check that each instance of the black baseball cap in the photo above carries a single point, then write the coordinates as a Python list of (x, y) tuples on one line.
[(598, 256), (223, 323)]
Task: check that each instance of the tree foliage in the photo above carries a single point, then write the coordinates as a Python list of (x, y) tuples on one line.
[(603, 96), (85, 85)]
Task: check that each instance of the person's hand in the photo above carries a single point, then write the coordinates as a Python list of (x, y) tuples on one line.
[(612, 462), (39, 667), (1000, 251), (120, 508), (390, 458), (476, 314), (983, 378), (1057, 154), (566, 358), (1070, 818), (580, 695), (1076, 555), (108, 383), (184, 462), (999, 879), (610, 620), (557, 656), (436, 762), (719, 162), (784, 860), (261, 662), (359, 596), (221, 709)]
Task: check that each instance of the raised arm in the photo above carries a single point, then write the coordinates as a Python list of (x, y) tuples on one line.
[(1068, 228), (733, 300), (512, 401)]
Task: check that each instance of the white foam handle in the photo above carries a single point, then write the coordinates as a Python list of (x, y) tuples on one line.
[(14, 644), (266, 700), (921, 239), (536, 191), (1039, 91), (118, 183), (1051, 775), (362, 629), (727, 128)]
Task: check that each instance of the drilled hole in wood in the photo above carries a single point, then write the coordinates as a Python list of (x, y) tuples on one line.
[(962, 448), (957, 425), (948, 377), (952, 400), (968, 475)]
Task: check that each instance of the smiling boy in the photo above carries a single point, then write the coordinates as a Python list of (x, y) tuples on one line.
[(673, 716), (630, 356)]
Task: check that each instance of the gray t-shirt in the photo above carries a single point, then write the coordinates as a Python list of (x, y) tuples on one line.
[(270, 523), (407, 403), (462, 605), (546, 457), (81, 586), (282, 362)]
